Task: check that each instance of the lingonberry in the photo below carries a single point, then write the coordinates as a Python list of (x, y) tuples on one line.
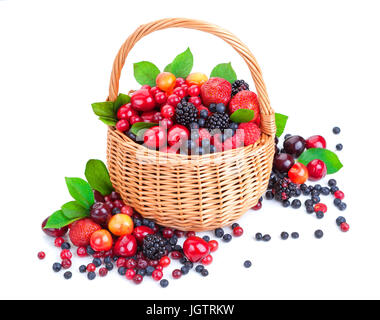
[(339, 195), (131, 263), (58, 242), (66, 263), (122, 125), (238, 231), (66, 254), (317, 169), (298, 173), (176, 273), (176, 255), (173, 100), (196, 101), (142, 100), (167, 233), (207, 260), (258, 206), (344, 227), (153, 263), (157, 275), (194, 91), (91, 267), (190, 234), (103, 272), (121, 262), (164, 261), (167, 111), (137, 279), (130, 273), (41, 255), (160, 97), (320, 207), (315, 142), (180, 92), (127, 210), (213, 245), (155, 137)]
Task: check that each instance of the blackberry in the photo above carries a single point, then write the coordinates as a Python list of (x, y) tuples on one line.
[(239, 85), (219, 121), (185, 113), (154, 247)]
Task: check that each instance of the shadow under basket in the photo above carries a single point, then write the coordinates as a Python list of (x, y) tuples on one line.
[(196, 193)]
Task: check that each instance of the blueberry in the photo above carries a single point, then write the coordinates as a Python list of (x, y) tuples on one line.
[(183, 260), (316, 199), (212, 107), (227, 237), (149, 270), (199, 268), (194, 125), (65, 246), (339, 147), (164, 283), (336, 130), (286, 203), (337, 201), (269, 195), (318, 234), (97, 262), (267, 238), (131, 136), (331, 182), (201, 122), (212, 149), (90, 251), (204, 273), (340, 220), (295, 235), (206, 238), (309, 209), (203, 114), (137, 222), (122, 271), (220, 108), (151, 225), (259, 236), (91, 275), (57, 267), (219, 232), (315, 193), (296, 204), (303, 187), (234, 125), (234, 225), (306, 192), (333, 189), (247, 264), (319, 214), (317, 187), (115, 258), (107, 260), (298, 192), (309, 203), (115, 211), (145, 222), (173, 240), (189, 264), (185, 270), (284, 235), (67, 275), (342, 206), (325, 191), (82, 269), (141, 272)]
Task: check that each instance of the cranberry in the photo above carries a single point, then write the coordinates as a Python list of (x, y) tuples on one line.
[(179, 82), (148, 116), (101, 213), (176, 255), (167, 123), (173, 100), (164, 261), (283, 162), (294, 145), (127, 210), (190, 234), (159, 267), (41, 255), (177, 133), (157, 275), (130, 273), (180, 92), (53, 232), (298, 173), (155, 137), (167, 233), (135, 118), (66, 254), (320, 207), (213, 245), (238, 231), (66, 263), (58, 242), (344, 227), (179, 233), (167, 111), (91, 267), (153, 263), (126, 246), (122, 125), (142, 263), (160, 97), (99, 254), (157, 117), (207, 260), (176, 273), (258, 206), (142, 100), (103, 272), (339, 195), (120, 262), (137, 279), (98, 196), (141, 232), (196, 101), (131, 264), (194, 91), (195, 248), (317, 169), (315, 142), (82, 252)]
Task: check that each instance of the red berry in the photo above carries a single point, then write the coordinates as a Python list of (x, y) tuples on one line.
[(164, 261), (167, 233), (177, 133), (101, 240), (167, 111), (320, 207), (82, 252), (131, 264), (66, 263), (135, 118), (137, 279), (130, 273), (126, 246), (257, 206), (176, 273), (196, 101), (316, 142), (185, 87), (179, 82), (125, 112), (148, 116), (238, 231), (179, 233), (176, 255), (127, 210), (157, 275), (122, 125), (118, 204), (160, 97), (142, 263), (213, 245), (41, 255), (146, 86), (317, 169), (180, 92), (154, 90), (142, 100), (120, 262), (190, 234), (66, 254), (91, 267), (153, 263), (167, 123), (194, 91), (344, 227), (103, 272), (141, 232), (173, 100), (155, 137), (160, 267), (207, 260), (157, 117), (53, 232), (58, 242), (339, 195)]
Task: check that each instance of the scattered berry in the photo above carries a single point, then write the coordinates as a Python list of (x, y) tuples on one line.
[(284, 235), (247, 264), (344, 227), (318, 234), (67, 275), (238, 231), (41, 255), (295, 235), (164, 283)]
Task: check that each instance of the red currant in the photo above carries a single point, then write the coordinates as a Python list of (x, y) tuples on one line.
[(317, 169), (194, 91), (160, 97), (180, 92), (316, 142), (238, 231), (127, 210), (176, 273), (339, 195), (164, 261), (91, 267), (66, 263), (173, 100), (196, 101), (344, 227), (213, 245), (58, 242), (41, 255), (207, 260), (103, 272), (66, 254), (122, 125), (120, 262), (137, 279), (82, 252), (176, 255), (157, 275), (130, 273), (320, 207)]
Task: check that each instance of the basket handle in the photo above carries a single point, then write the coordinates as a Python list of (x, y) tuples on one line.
[(266, 112)]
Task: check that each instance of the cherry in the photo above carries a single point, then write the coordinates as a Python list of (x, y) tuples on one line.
[(137, 279), (66, 254), (103, 272), (167, 123), (196, 101), (101, 240), (164, 261), (344, 227), (98, 196), (179, 82), (166, 81), (142, 100), (176, 273), (130, 273), (194, 91), (213, 245), (100, 213), (82, 252), (141, 232), (315, 142), (320, 207), (339, 195), (58, 242), (167, 233), (238, 231), (160, 97), (317, 169), (177, 133), (195, 248), (157, 275), (66, 264), (131, 264), (122, 125), (168, 111), (155, 137), (135, 118), (283, 162), (298, 173), (41, 255), (53, 232), (127, 210), (126, 246), (180, 92), (173, 100), (294, 145), (207, 260), (91, 267)]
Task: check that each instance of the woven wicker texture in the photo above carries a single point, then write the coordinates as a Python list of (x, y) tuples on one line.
[(191, 193)]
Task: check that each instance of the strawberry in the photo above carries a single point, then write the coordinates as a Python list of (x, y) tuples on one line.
[(81, 231), (216, 90), (245, 100), (251, 132)]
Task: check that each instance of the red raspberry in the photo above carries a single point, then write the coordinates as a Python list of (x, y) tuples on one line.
[(252, 132)]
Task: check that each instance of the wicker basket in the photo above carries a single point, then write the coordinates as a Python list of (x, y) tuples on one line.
[(191, 192)]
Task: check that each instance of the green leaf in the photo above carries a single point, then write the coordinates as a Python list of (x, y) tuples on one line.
[(225, 71), (108, 121), (145, 73), (98, 177), (136, 127), (103, 109), (280, 123), (331, 160), (242, 115), (121, 100), (58, 220), (74, 210), (81, 191), (182, 64), (168, 68)]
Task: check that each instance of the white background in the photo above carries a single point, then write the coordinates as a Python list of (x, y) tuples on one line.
[(320, 61)]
